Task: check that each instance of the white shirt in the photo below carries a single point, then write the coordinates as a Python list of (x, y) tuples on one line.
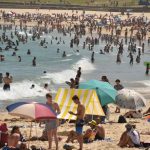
[(134, 135)]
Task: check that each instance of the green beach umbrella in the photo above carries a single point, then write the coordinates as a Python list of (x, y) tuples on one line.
[(106, 93)]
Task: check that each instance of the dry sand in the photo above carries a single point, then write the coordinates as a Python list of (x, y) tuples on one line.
[(113, 131), (47, 11), (79, 12)]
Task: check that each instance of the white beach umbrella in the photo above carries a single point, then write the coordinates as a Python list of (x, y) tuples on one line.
[(130, 99)]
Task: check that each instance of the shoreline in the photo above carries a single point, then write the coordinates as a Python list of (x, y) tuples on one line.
[(73, 12), (10, 5)]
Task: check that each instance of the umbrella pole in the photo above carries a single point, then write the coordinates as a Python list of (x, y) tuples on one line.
[(36, 130), (30, 135), (93, 110)]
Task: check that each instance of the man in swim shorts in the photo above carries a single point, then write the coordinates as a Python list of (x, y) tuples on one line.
[(51, 125), (80, 120), (7, 80)]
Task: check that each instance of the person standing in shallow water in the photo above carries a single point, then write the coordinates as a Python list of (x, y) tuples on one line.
[(51, 125), (19, 58), (1, 78), (28, 52), (7, 80), (147, 68), (34, 62)]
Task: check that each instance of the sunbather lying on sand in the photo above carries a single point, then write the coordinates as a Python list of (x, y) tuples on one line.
[(133, 114)]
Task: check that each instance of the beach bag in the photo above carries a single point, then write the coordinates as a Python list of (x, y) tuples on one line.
[(122, 119), (3, 134)]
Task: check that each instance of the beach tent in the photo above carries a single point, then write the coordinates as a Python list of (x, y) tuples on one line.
[(88, 98)]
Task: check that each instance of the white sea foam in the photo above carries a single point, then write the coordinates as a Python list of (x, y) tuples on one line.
[(68, 55), (66, 60), (85, 64), (145, 82), (23, 33), (60, 77), (20, 90)]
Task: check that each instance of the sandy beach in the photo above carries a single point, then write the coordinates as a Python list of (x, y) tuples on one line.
[(113, 131), (46, 11), (75, 12)]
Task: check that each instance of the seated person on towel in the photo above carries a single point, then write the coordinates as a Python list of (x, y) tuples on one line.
[(131, 138), (96, 132)]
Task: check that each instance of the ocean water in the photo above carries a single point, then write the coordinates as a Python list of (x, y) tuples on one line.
[(61, 69)]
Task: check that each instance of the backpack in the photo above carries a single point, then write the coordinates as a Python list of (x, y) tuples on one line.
[(122, 119)]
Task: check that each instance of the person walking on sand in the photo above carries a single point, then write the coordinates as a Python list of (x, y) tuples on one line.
[(7, 80), (51, 125), (79, 121)]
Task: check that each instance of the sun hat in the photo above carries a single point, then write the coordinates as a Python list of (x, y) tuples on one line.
[(93, 122)]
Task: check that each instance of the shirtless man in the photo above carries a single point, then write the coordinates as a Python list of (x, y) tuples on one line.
[(7, 80), (79, 121), (51, 125)]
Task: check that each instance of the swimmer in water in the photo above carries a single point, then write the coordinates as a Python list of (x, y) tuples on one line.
[(92, 57), (28, 52), (64, 54), (57, 50), (19, 58), (32, 86), (13, 54)]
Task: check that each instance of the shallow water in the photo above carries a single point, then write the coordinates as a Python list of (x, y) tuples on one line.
[(61, 69)]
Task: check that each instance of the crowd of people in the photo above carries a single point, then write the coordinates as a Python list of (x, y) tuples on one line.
[(133, 29), (130, 138), (15, 140), (108, 28)]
